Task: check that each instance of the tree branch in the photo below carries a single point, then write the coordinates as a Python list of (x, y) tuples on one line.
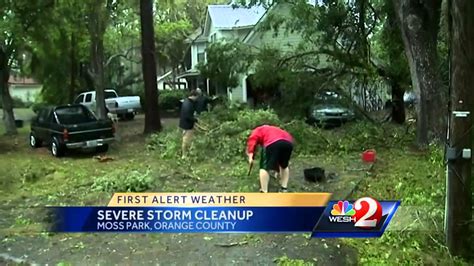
[(123, 55)]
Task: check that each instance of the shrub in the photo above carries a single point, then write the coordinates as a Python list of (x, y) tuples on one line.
[(168, 99), (123, 181), (36, 106)]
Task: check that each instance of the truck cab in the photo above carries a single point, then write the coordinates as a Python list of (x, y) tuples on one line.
[(124, 107)]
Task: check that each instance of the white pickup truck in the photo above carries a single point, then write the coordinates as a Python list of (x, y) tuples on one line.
[(125, 107)]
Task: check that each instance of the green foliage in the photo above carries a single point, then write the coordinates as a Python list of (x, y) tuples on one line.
[(227, 130), (124, 181), (53, 60), (170, 41), (419, 181), (268, 65), (285, 261), (170, 99), (225, 62), (225, 139)]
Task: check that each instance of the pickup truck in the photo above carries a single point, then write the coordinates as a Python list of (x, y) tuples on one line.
[(70, 127), (124, 107)]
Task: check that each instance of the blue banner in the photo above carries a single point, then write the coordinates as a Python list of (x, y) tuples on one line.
[(365, 217), (186, 219)]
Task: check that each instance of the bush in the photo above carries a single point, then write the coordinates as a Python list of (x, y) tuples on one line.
[(168, 99), (36, 106), (120, 181)]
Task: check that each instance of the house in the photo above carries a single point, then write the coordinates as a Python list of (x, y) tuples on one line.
[(231, 22), (222, 22), (26, 89), (168, 81)]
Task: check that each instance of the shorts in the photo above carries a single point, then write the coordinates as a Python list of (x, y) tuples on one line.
[(276, 155)]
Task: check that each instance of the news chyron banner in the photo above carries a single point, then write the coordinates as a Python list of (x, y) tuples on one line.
[(230, 213)]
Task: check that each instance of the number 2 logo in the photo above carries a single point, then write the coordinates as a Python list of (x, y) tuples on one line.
[(368, 212)]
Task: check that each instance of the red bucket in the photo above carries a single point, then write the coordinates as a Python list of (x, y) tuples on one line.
[(368, 156)]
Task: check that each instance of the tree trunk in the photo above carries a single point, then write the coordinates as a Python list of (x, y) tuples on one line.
[(458, 199), (152, 113), (97, 25), (72, 88), (8, 115), (419, 24), (398, 106)]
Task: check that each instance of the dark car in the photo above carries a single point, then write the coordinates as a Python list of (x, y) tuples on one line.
[(329, 109), (70, 127)]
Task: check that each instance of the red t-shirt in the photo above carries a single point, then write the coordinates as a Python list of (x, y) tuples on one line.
[(266, 135)]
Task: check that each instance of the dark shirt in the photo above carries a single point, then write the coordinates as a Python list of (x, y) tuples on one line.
[(187, 119), (201, 104)]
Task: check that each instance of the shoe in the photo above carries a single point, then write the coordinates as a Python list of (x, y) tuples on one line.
[(283, 190)]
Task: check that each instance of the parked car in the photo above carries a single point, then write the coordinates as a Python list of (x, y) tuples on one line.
[(70, 127), (124, 107), (329, 109)]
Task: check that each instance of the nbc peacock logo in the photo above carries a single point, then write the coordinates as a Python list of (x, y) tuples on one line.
[(342, 212)]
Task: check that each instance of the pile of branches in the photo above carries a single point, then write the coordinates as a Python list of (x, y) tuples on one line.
[(222, 134)]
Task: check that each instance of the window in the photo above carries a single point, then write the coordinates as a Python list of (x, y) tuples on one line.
[(213, 37), (110, 94), (88, 97), (79, 99), (74, 115), (201, 57)]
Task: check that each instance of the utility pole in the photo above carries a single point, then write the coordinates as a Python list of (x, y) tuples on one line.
[(458, 154)]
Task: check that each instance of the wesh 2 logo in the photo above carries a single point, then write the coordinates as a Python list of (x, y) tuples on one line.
[(364, 213)]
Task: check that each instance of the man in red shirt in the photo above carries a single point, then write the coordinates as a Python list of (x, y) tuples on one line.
[(277, 148)]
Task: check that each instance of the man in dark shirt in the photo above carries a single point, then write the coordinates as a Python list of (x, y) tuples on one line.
[(201, 102), (187, 120)]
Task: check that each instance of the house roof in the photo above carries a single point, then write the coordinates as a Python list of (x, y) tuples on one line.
[(230, 16), (252, 33), (196, 36)]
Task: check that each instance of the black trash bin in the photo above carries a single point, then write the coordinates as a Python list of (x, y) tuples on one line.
[(315, 174), (19, 123)]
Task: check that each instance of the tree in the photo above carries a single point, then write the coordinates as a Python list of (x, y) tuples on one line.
[(459, 197), (170, 41), (419, 24), (225, 62), (98, 17), (55, 60), (393, 65), (19, 18), (152, 113)]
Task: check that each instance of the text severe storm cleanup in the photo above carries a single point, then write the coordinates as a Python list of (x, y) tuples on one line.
[(166, 220)]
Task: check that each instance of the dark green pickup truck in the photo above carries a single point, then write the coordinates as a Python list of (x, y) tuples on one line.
[(70, 127)]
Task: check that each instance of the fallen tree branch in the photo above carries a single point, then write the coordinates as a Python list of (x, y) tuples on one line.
[(227, 245)]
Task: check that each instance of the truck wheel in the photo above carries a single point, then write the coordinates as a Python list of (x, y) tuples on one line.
[(34, 141), (102, 149), (57, 150)]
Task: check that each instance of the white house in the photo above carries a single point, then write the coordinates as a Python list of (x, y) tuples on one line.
[(26, 89), (230, 22), (223, 22)]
